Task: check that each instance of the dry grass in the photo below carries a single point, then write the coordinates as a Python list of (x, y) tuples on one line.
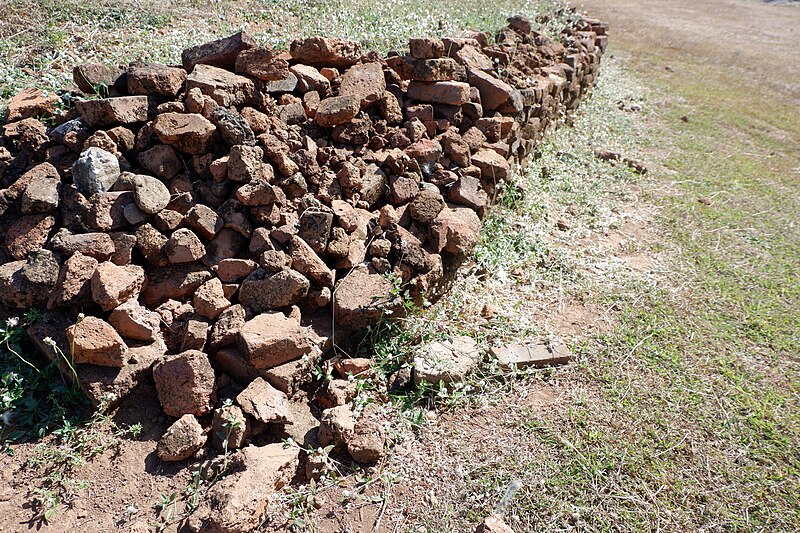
[(42, 40)]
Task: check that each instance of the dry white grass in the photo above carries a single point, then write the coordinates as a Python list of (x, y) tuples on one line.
[(41, 41)]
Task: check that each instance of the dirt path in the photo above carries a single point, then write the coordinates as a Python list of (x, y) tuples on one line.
[(757, 41)]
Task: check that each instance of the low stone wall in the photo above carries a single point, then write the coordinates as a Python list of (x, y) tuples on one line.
[(215, 222)]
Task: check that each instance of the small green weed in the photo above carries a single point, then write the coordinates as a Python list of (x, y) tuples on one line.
[(34, 397), (46, 503)]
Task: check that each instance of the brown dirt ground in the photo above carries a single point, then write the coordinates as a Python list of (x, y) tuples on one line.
[(759, 43), (118, 478), (753, 39)]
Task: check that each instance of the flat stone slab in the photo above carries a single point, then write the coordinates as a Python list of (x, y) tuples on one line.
[(447, 361), (525, 355)]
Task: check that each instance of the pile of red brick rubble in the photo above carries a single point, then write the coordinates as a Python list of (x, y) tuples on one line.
[(213, 223)]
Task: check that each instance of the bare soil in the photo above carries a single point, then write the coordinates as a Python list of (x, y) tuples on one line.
[(119, 480), (753, 40)]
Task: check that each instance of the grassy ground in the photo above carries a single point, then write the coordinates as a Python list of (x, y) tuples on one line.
[(41, 40), (727, 342), (678, 291)]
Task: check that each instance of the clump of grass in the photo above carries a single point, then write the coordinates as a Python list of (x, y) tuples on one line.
[(34, 397), (384, 26)]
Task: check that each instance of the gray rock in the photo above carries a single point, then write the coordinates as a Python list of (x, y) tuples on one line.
[(246, 163), (286, 85), (104, 112), (445, 361), (232, 127), (183, 246), (75, 128), (236, 217), (95, 78), (264, 402), (292, 113), (134, 215), (315, 229), (220, 53), (262, 293), (98, 245), (161, 160), (26, 284), (42, 268), (538, 355), (95, 171), (41, 194), (226, 328), (150, 194)]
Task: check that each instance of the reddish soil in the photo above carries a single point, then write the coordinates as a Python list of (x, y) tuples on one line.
[(121, 477)]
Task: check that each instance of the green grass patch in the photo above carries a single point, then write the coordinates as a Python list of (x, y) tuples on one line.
[(34, 397), (41, 40)]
